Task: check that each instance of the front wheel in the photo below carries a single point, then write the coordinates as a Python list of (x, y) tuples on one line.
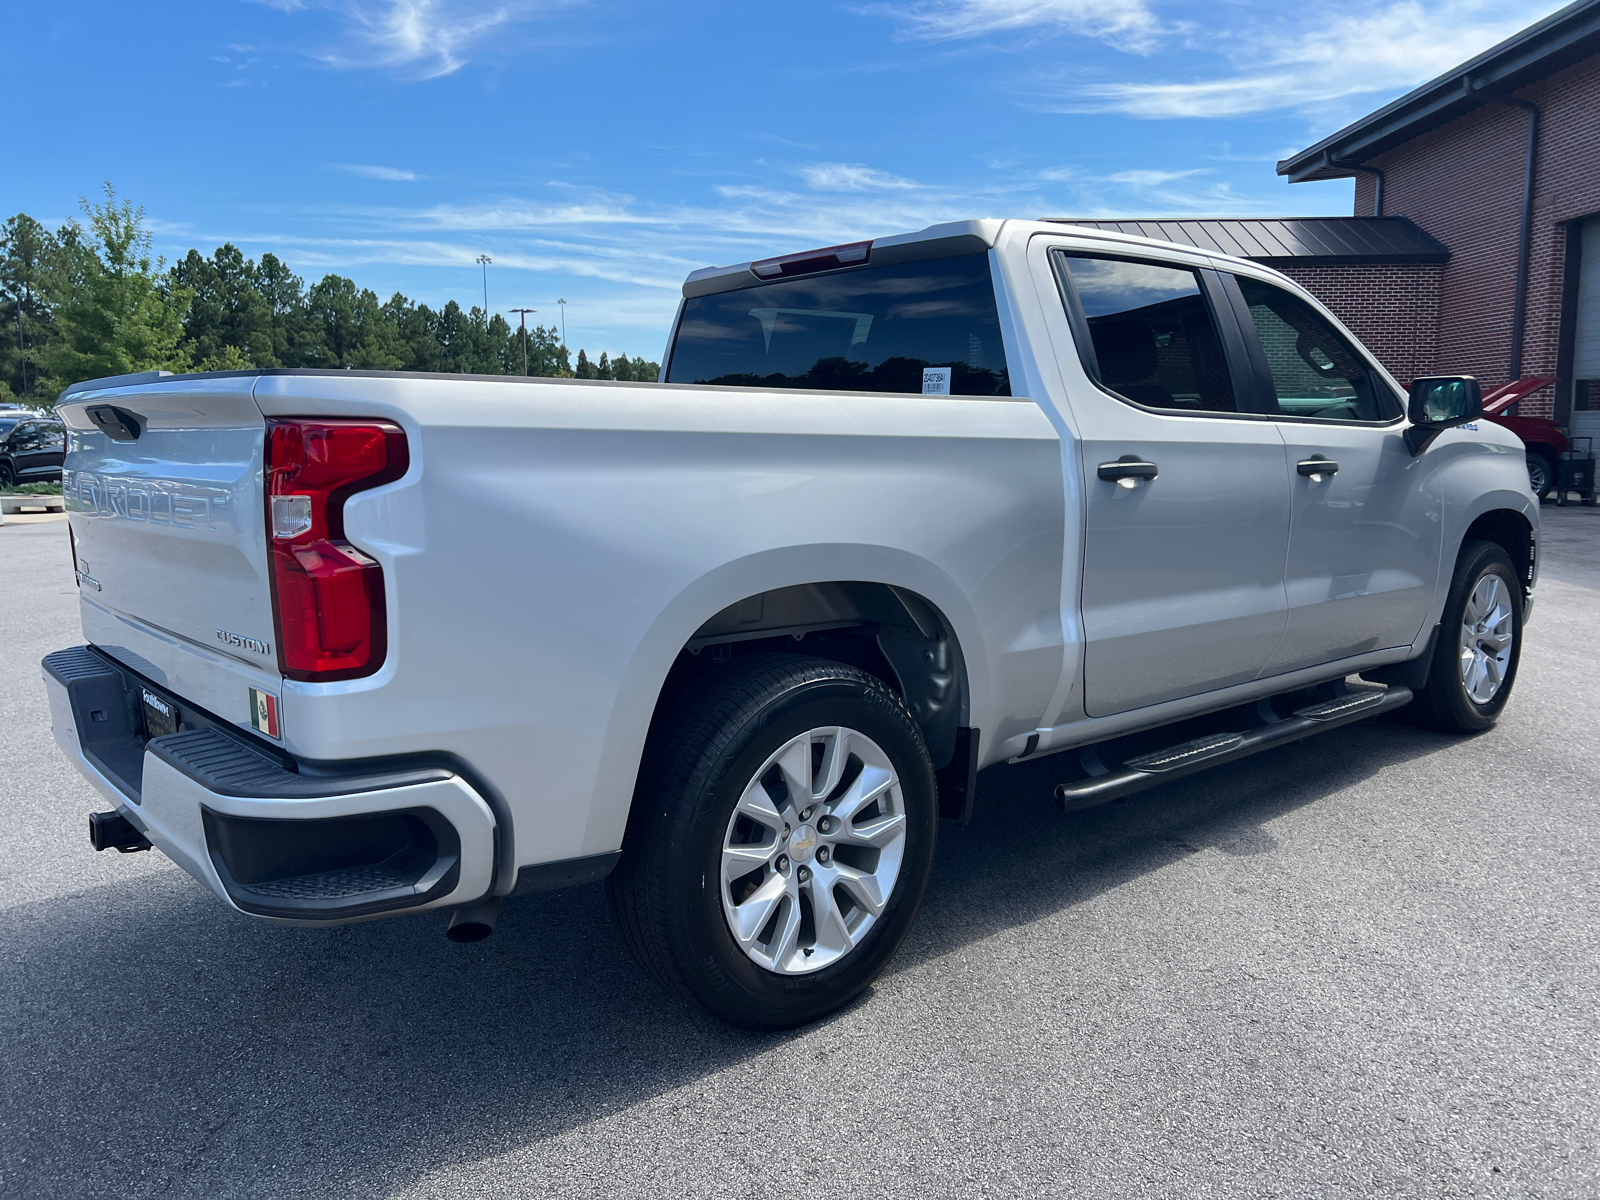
[(8, 477), (1479, 645), (780, 841)]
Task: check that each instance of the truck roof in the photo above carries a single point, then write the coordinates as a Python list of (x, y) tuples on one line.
[(944, 240)]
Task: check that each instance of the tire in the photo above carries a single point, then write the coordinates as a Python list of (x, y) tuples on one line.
[(1460, 656), (1542, 474), (679, 889), (8, 477)]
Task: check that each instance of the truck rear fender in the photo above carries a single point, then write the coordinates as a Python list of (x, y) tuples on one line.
[(885, 586)]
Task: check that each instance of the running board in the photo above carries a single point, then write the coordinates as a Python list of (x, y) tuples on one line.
[(1148, 770)]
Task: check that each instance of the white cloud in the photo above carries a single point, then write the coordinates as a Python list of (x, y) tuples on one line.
[(850, 177), (1332, 55), (1144, 179), (422, 39), (393, 174), (1126, 24)]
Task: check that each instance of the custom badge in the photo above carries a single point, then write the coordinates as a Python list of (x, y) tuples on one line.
[(264, 712)]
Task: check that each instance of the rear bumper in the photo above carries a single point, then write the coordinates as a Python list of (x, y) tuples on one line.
[(284, 840)]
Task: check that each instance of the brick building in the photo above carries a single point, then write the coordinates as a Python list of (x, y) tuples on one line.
[(1499, 160), (1481, 253)]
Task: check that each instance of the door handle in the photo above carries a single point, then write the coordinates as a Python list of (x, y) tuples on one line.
[(1127, 471), (1315, 467)]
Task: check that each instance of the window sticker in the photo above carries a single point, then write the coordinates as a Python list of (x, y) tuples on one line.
[(936, 381)]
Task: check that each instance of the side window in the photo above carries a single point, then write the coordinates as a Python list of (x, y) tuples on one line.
[(1316, 373), (1151, 333), (26, 436)]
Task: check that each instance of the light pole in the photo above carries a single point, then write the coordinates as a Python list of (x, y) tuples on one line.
[(524, 312), (563, 304), (483, 261)]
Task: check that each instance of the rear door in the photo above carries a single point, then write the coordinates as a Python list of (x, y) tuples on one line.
[(1183, 554), (1365, 541)]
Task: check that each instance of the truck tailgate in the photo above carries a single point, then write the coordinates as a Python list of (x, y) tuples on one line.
[(164, 491)]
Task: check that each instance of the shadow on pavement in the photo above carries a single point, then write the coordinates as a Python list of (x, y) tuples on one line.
[(157, 1044)]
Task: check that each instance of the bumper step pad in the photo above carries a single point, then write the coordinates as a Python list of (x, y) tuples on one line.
[(332, 885)]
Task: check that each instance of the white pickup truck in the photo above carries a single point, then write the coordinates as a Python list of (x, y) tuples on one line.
[(364, 643)]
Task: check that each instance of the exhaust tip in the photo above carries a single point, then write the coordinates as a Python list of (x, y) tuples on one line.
[(474, 922)]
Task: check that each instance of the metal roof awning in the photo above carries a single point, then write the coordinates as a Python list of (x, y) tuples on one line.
[(1543, 48), (1277, 241)]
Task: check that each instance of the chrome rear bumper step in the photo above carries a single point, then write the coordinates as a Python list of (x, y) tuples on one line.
[(1148, 770)]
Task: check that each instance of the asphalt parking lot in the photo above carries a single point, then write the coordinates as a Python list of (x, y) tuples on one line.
[(1365, 966)]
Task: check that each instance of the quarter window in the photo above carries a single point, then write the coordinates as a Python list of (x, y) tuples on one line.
[(1316, 372), (1151, 335)]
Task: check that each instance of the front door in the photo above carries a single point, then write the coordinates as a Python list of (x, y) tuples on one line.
[(1187, 523), (1365, 541)]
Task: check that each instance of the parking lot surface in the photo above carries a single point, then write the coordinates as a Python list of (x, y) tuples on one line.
[(1364, 966)]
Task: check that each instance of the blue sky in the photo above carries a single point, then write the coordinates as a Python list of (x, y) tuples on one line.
[(601, 151)]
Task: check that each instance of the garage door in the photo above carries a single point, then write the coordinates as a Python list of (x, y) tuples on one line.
[(1586, 347)]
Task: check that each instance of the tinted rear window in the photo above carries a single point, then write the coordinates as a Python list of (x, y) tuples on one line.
[(872, 330)]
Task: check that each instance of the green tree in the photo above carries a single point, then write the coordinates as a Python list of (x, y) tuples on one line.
[(226, 309), (353, 330), (295, 342), (415, 325), (116, 316), (546, 355), (36, 269), (584, 369)]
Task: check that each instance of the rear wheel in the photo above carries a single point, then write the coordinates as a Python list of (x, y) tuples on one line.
[(1542, 474), (1479, 645), (781, 838)]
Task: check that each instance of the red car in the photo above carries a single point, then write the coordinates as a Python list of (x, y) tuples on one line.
[(1545, 440)]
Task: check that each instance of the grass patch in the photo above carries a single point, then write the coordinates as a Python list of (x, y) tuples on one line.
[(35, 489)]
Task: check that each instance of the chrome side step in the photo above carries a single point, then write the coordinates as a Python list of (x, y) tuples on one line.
[(1148, 770)]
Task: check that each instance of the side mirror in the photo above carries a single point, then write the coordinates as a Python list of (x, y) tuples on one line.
[(1439, 402)]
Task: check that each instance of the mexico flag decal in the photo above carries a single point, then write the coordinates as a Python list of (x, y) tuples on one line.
[(264, 712)]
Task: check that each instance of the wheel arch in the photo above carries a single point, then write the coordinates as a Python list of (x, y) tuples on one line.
[(896, 633), (1511, 530), (810, 591)]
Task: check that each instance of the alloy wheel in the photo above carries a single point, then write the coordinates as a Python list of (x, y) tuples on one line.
[(1538, 475), (1487, 633), (813, 850)]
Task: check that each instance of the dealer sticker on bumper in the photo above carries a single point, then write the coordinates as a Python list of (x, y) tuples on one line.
[(264, 712)]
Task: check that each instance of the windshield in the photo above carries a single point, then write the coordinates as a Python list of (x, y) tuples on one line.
[(881, 329), (7, 424)]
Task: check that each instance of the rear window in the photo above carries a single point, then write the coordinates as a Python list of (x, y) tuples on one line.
[(872, 330)]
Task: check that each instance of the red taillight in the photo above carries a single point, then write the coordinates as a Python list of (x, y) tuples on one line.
[(327, 595)]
